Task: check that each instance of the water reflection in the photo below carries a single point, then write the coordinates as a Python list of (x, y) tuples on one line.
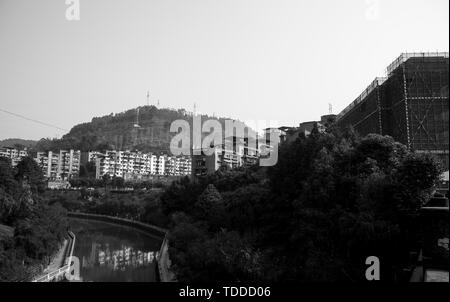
[(117, 259), (109, 252)]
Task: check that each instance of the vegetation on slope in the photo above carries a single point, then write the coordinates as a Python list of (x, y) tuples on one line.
[(38, 228), (117, 131), (331, 201)]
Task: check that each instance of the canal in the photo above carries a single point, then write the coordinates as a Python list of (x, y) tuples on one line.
[(113, 253)]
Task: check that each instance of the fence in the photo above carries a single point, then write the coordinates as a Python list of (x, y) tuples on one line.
[(54, 275)]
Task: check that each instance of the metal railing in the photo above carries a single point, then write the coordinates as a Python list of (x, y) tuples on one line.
[(389, 70), (407, 55), (65, 268), (375, 83), (163, 262)]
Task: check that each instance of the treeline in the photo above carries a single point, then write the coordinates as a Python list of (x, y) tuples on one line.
[(115, 182), (142, 206), (332, 200), (38, 227)]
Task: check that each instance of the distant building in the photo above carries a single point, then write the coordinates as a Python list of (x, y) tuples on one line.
[(279, 133), (232, 153), (177, 166), (138, 165), (59, 165), (305, 128), (328, 120), (14, 154), (411, 104), (121, 163)]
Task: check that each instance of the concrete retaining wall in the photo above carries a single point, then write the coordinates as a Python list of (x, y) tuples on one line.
[(153, 230)]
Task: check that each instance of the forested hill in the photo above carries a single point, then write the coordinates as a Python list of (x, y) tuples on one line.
[(17, 142), (117, 131)]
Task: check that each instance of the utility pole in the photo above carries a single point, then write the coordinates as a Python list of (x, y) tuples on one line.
[(148, 98)]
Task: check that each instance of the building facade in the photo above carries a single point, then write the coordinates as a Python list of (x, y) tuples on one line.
[(13, 154), (232, 153), (177, 166), (60, 165), (138, 165), (411, 104)]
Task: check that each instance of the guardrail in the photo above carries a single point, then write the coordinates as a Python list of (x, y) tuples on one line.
[(65, 268), (162, 260)]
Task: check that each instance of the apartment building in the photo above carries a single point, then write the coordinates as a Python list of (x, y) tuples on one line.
[(14, 154), (177, 166), (61, 165), (232, 153), (138, 165)]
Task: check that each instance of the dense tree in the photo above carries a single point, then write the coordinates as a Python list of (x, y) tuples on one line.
[(87, 170), (117, 182), (332, 200), (29, 171), (210, 207), (38, 227), (8, 208), (7, 181)]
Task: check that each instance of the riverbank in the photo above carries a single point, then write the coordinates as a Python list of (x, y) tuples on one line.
[(59, 263), (58, 259), (163, 259)]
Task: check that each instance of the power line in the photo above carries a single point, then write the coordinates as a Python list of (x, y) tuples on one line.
[(33, 120)]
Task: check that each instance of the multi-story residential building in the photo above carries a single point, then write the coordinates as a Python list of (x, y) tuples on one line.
[(92, 156), (157, 164), (232, 153), (14, 154), (184, 165), (69, 163), (136, 165), (63, 165), (111, 163), (411, 104), (160, 166), (177, 166)]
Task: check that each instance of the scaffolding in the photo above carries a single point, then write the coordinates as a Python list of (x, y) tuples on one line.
[(407, 55), (411, 104)]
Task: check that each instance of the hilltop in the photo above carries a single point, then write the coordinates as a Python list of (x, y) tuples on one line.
[(17, 142), (118, 131)]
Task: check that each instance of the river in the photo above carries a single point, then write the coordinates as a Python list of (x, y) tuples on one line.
[(113, 253)]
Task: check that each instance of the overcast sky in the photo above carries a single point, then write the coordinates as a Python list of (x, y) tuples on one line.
[(247, 59)]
